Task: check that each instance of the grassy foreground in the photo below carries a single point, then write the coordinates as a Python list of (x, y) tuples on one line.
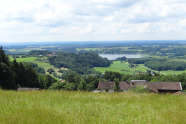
[(85, 107)]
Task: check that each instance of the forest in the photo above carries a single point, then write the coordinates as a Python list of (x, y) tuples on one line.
[(80, 62), (166, 65), (160, 64)]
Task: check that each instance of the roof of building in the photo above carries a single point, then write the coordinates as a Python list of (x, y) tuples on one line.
[(106, 85), (124, 85), (155, 86), (27, 89)]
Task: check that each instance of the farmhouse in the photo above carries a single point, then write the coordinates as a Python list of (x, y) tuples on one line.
[(124, 86), (163, 87), (158, 87), (27, 89), (106, 86)]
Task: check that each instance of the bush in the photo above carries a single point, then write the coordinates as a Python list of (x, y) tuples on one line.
[(58, 86), (139, 89), (50, 70), (70, 86)]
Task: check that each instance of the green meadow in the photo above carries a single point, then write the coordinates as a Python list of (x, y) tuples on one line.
[(124, 67), (173, 72), (28, 59), (56, 107)]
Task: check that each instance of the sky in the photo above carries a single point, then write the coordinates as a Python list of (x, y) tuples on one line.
[(92, 20)]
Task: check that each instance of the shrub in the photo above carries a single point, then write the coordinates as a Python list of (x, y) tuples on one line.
[(139, 89), (58, 86)]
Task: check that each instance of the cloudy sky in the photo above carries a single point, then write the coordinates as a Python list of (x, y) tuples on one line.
[(92, 20)]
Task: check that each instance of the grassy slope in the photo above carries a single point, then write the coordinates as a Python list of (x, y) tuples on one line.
[(86, 107), (43, 64)]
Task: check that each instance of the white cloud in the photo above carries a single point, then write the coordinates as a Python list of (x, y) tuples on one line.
[(182, 22), (43, 20)]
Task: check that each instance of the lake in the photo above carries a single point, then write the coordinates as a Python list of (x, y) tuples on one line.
[(115, 56)]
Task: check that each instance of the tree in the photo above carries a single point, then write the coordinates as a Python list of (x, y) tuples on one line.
[(116, 86), (6, 74), (50, 70), (3, 57), (6, 77), (82, 85)]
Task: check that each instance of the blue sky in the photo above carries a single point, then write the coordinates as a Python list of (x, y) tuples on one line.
[(92, 20)]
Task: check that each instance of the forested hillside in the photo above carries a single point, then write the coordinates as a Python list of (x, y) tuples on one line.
[(81, 62), (14, 74)]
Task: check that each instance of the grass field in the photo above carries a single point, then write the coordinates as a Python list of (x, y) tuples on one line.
[(173, 72), (117, 66), (28, 59), (54, 107)]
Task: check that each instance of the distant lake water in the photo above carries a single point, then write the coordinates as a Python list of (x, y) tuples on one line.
[(115, 56)]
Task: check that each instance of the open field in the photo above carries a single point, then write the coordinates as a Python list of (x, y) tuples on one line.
[(28, 59), (173, 72), (117, 66), (87, 107)]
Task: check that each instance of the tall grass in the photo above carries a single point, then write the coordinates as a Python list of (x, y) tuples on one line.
[(50, 107)]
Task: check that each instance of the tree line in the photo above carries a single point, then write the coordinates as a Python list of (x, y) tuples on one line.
[(160, 64), (166, 65)]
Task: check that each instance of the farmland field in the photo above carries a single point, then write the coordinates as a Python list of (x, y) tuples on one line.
[(28, 59), (117, 66), (87, 107)]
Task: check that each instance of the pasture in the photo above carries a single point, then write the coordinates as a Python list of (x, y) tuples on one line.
[(41, 107), (124, 67)]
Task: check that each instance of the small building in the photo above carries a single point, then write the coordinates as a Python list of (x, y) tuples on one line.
[(164, 87), (27, 89), (124, 86), (106, 86)]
